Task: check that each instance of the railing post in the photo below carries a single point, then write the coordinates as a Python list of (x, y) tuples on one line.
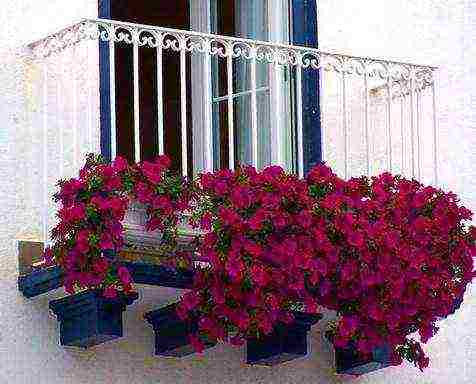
[(435, 91), (231, 130), (135, 41), (254, 111), (183, 106), (160, 95), (299, 133)]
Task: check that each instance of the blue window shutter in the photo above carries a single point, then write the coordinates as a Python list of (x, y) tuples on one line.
[(104, 11), (304, 16)]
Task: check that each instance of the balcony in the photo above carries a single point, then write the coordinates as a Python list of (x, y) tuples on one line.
[(211, 101)]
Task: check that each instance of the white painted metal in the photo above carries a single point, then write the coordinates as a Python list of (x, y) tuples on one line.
[(418, 132), (160, 95), (389, 125), (434, 94), (61, 104), (366, 122), (277, 144), (207, 111), (344, 126), (278, 56), (137, 157), (412, 124), (74, 118), (112, 93), (183, 107), (231, 130), (299, 130), (254, 112), (90, 85), (44, 146)]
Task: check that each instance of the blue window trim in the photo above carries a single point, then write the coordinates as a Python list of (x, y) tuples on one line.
[(304, 16), (304, 23), (104, 11)]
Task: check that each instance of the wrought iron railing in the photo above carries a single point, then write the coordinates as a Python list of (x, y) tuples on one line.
[(239, 100)]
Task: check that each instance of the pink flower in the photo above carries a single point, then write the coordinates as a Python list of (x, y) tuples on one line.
[(120, 164), (48, 256), (259, 276), (106, 242), (190, 300), (101, 265), (124, 275), (196, 343), (163, 162)]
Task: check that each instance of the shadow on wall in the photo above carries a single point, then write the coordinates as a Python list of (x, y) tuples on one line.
[(31, 333)]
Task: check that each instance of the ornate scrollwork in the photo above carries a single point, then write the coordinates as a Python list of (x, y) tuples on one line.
[(221, 46)]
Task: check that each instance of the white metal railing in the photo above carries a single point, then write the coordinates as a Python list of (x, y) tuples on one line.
[(376, 114)]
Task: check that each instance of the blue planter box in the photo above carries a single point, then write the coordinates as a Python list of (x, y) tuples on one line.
[(40, 281), (286, 342), (88, 319), (171, 333), (143, 273), (349, 361)]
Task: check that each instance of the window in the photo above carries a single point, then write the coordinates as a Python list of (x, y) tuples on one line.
[(275, 88)]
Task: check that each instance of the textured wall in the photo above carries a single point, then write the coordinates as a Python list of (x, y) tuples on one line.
[(434, 32)]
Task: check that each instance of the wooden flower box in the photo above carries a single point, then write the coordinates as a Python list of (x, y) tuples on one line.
[(88, 318), (286, 342), (171, 333)]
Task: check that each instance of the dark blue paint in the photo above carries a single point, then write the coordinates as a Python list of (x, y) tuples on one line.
[(286, 342), (349, 361), (40, 281), (171, 333), (143, 273), (104, 11), (304, 21), (88, 318), (45, 280)]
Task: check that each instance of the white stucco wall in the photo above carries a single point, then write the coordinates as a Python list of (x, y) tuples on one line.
[(434, 32)]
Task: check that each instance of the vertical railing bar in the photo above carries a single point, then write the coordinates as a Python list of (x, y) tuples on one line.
[(299, 107), (183, 107), (389, 122), (137, 156), (60, 104), (434, 90), (207, 115), (231, 131), (344, 125), (276, 128), (402, 129), (45, 214), (74, 111), (366, 121), (90, 101), (254, 112), (412, 125), (418, 129), (160, 95), (112, 91)]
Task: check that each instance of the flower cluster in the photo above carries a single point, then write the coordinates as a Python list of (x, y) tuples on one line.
[(400, 258), (389, 255), (258, 252), (89, 233)]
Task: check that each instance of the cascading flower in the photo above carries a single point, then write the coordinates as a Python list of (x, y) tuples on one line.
[(92, 207)]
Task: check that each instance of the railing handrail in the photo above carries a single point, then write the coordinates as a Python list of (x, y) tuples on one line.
[(292, 47)]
